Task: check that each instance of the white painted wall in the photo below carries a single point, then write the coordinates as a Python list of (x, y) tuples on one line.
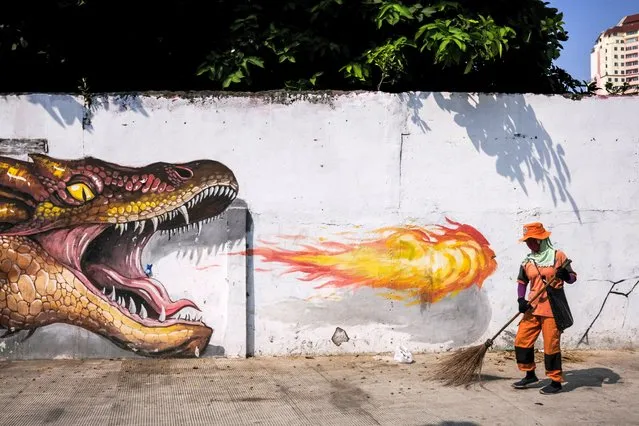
[(316, 166)]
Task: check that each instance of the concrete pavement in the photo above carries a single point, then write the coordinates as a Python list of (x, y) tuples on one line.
[(600, 389)]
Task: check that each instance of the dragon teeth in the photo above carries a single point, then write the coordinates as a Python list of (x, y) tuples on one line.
[(112, 296), (143, 313), (162, 317), (139, 225), (185, 213), (132, 308), (219, 190)]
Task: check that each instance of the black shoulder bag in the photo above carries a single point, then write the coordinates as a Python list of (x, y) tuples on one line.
[(558, 304)]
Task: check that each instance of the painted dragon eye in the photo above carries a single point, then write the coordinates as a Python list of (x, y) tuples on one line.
[(80, 192)]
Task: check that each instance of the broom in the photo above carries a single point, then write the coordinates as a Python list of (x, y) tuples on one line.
[(460, 367)]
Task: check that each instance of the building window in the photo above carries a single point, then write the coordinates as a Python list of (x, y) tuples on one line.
[(622, 48), (616, 64), (615, 47), (616, 56), (632, 55), (631, 63), (629, 33), (632, 40), (616, 72)]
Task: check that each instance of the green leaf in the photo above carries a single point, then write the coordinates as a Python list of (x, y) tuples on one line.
[(420, 31), (255, 61), (203, 69), (459, 44), (429, 11), (313, 79), (442, 46), (469, 66), (403, 10)]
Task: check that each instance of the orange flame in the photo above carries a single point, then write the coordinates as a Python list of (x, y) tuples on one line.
[(418, 265)]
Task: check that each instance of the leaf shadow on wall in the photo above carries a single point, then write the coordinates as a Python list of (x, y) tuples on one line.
[(506, 127), (415, 104), (66, 110)]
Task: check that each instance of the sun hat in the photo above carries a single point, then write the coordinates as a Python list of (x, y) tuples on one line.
[(535, 230)]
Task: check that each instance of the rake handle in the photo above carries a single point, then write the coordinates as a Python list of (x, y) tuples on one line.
[(489, 342)]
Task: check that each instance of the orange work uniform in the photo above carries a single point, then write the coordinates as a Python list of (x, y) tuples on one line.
[(540, 319)]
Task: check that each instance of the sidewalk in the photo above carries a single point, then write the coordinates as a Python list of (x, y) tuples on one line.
[(601, 388)]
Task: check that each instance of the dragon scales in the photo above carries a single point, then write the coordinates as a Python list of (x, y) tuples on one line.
[(71, 239)]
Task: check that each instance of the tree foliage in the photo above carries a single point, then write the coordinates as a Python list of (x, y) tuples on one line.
[(250, 45)]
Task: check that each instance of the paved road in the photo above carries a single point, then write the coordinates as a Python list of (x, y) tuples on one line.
[(601, 388)]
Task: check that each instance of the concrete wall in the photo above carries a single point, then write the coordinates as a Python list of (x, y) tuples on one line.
[(353, 192)]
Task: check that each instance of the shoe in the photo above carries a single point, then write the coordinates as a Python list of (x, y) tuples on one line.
[(529, 379), (553, 387)]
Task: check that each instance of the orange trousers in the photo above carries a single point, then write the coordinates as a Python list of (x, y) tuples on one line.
[(528, 332)]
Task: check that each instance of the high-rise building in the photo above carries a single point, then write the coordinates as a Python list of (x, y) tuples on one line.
[(615, 57)]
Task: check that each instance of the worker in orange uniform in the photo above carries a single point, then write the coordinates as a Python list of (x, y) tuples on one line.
[(543, 263)]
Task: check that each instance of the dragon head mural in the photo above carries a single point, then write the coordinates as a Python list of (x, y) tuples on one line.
[(71, 239)]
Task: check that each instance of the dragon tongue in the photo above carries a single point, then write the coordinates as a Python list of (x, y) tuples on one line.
[(150, 290)]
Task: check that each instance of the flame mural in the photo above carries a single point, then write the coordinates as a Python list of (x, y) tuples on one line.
[(415, 264)]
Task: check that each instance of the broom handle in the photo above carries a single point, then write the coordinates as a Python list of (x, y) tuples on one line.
[(535, 297)]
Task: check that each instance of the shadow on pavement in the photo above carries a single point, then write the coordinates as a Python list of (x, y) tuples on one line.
[(489, 378), (589, 377)]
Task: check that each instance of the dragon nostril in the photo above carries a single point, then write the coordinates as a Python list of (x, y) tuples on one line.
[(183, 172)]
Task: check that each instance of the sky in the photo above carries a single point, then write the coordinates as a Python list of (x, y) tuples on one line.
[(584, 20)]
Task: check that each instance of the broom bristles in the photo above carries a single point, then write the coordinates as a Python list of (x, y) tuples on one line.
[(461, 367)]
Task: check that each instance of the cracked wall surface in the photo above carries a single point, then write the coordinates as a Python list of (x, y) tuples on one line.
[(341, 173)]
